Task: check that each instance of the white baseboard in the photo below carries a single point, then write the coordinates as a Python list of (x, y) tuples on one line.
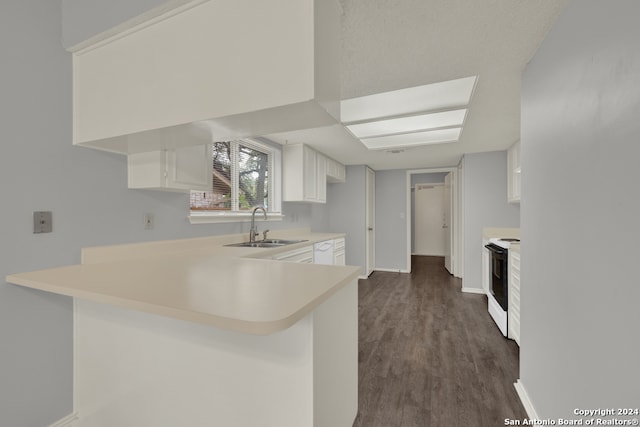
[(526, 402), (363, 277), (473, 291), (67, 421), (391, 270)]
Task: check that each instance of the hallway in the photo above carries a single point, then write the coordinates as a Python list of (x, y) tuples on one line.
[(430, 355)]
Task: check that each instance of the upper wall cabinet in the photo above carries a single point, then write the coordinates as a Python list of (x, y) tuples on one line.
[(306, 173), (230, 68), (336, 172), (180, 169), (514, 173)]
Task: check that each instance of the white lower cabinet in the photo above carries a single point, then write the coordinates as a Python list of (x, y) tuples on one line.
[(297, 255), (486, 270), (514, 296), (339, 252)]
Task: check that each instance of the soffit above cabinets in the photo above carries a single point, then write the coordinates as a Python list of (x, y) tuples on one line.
[(215, 69)]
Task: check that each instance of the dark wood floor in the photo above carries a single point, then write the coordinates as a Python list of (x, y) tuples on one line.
[(430, 355)]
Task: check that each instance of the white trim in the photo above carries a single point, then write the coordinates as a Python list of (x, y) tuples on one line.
[(460, 220), (370, 236), (67, 421), (363, 277), (455, 215), (526, 401), (473, 291), (223, 217), (391, 270), (135, 24)]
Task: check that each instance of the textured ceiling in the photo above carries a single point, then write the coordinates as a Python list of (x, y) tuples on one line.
[(394, 44)]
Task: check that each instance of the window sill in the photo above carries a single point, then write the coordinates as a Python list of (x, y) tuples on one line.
[(226, 217)]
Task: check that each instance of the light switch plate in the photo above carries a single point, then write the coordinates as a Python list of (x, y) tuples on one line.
[(42, 222)]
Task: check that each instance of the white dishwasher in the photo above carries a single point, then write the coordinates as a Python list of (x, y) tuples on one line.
[(323, 252)]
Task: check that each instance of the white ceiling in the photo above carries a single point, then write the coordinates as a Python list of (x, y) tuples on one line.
[(394, 44)]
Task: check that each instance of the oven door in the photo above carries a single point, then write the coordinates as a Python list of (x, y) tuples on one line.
[(498, 267)]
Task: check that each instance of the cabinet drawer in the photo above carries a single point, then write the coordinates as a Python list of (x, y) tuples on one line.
[(297, 255), (338, 244)]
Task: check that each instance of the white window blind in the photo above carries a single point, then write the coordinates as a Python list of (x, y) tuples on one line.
[(242, 178)]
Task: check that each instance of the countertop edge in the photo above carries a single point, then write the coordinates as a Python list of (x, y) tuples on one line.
[(265, 327)]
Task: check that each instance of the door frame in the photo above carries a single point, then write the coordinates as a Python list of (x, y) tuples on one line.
[(370, 245), (456, 216)]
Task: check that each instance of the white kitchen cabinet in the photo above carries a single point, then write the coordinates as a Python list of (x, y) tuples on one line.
[(304, 174), (514, 173), (304, 255), (514, 296), (336, 172), (180, 169), (196, 63), (321, 178), (339, 252), (486, 266)]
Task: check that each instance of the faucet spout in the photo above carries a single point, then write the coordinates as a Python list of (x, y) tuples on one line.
[(254, 230)]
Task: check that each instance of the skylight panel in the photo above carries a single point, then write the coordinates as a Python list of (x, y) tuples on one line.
[(408, 124), (436, 96), (412, 139)]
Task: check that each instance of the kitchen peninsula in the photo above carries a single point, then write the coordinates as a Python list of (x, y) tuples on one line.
[(192, 332)]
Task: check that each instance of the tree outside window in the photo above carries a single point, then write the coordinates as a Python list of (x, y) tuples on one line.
[(241, 178)]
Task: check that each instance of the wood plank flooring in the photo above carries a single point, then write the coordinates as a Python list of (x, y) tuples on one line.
[(430, 355)]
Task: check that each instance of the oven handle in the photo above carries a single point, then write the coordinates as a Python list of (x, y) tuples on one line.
[(495, 248)]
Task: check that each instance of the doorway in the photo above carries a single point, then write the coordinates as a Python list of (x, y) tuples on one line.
[(428, 213), (442, 186)]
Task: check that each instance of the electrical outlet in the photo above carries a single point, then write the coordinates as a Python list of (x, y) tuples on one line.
[(148, 221), (42, 222)]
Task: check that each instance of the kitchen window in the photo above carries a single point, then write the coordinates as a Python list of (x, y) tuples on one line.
[(245, 174)]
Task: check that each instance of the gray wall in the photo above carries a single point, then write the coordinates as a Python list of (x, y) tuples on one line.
[(85, 189), (421, 178), (485, 205), (391, 219), (580, 210), (83, 19), (345, 213)]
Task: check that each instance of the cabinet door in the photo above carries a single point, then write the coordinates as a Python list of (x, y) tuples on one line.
[(514, 296), (321, 178), (189, 168), (182, 169), (310, 175), (486, 260), (513, 171)]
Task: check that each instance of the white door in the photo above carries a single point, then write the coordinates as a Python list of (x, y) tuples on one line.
[(446, 215), (370, 219), (429, 214)]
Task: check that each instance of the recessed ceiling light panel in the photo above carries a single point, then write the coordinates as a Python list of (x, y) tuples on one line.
[(410, 139), (408, 124), (437, 96)]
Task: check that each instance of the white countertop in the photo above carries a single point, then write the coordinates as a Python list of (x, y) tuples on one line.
[(200, 280), (506, 233)]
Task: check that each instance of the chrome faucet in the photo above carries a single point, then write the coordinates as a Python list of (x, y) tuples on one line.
[(254, 231)]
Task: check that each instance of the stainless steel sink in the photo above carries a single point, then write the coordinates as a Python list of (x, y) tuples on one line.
[(257, 245), (282, 241), (269, 243)]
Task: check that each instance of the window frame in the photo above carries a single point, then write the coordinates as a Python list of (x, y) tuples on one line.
[(274, 210)]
